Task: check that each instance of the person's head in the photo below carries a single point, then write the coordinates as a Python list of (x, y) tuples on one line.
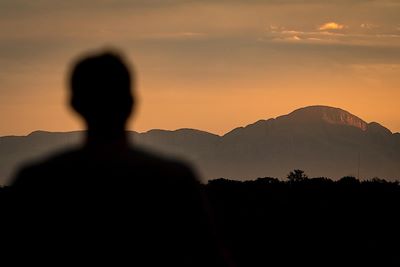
[(101, 91)]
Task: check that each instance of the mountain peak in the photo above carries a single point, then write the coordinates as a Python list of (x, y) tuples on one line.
[(329, 115)]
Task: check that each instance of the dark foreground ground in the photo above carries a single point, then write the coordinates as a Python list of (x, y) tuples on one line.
[(267, 222), (310, 221)]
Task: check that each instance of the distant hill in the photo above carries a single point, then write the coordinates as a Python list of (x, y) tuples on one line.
[(323, 141)]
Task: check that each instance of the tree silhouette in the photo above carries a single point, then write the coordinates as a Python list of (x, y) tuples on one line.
[(349, 180), (297, 176)]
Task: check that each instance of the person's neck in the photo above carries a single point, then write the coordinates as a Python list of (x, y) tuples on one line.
[(106, 138)]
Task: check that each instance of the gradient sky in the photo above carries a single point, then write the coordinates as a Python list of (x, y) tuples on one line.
[(212, 64)]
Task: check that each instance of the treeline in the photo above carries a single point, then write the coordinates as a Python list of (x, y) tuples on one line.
[(268, 222)]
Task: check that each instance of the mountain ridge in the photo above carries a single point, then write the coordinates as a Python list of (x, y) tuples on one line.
[(322, 140), (343, 117)]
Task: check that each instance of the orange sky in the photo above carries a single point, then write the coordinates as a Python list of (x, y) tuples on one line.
[(210, 65)]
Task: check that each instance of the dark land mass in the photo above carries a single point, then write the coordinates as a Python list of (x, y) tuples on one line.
[(316, 222), (265, 222)]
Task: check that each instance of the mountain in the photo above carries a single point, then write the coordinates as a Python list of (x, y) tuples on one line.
[(323, 141)]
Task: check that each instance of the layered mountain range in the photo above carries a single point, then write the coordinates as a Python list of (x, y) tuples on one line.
[(323, 141)]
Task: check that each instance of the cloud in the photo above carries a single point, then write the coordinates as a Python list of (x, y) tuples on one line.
[(369, 26), (331, 26), (367, 34)]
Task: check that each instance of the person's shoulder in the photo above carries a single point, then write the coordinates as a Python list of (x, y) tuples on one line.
[(55, 158), (42, 168), (166, 164)]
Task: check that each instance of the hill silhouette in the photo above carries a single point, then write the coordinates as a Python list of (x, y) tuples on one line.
[(322, 140)]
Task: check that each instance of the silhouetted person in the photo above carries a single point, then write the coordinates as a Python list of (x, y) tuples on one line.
[(109, 201)]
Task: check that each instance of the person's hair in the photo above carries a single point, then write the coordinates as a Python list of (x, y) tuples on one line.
[(101, 88)]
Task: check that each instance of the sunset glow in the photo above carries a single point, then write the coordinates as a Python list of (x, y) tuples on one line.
[(331, 26), (210, 65)]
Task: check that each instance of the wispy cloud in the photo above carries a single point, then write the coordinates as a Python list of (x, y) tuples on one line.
[(364, 34), (369, 26), (331, 26)]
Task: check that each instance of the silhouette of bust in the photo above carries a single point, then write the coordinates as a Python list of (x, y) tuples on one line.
[(112, 200)]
